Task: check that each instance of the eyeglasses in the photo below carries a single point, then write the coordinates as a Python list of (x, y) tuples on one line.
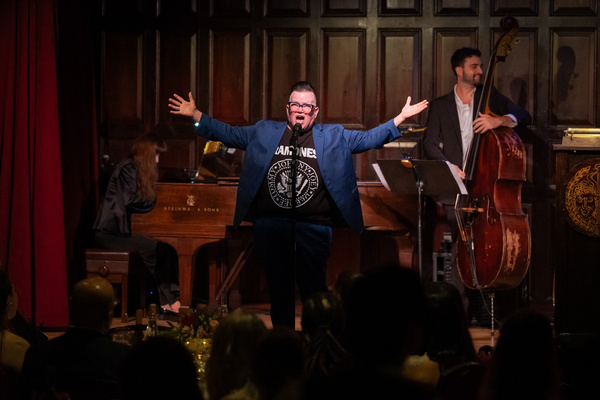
[(306, 108)]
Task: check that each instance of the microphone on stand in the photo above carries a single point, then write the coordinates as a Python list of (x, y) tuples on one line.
[(296, 129), (294, 162), (294, 139)]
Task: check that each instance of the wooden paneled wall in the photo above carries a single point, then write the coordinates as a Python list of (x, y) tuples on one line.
[(239, 58)]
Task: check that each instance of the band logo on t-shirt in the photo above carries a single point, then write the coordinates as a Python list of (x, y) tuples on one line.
[(279, 179)]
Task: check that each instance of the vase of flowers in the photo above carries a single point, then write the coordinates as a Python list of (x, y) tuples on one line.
[(196, 328)]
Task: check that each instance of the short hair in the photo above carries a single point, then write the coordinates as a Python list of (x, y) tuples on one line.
[(460, 55), (303, 86)]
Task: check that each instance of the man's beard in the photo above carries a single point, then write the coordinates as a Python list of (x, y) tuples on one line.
[(474, 80)]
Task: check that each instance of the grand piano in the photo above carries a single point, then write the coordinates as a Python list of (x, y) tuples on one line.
[(192, 215)]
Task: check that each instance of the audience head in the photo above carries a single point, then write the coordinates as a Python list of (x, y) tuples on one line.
[(322, 311), (92, 304), (278, 368), (384, 312), (447, 334), (8, 300), (485, 354), (524, 364), (160, 368), (344, 283), (232, 351)]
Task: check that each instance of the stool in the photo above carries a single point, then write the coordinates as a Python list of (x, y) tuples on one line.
[(116, 267)]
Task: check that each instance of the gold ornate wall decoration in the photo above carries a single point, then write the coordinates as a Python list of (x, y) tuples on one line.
[(582, 192)]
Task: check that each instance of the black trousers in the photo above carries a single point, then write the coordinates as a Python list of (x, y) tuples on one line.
[(159, 257), (287, 263)]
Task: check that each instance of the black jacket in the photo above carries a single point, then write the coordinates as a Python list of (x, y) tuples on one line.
[(121, 200), (443, 126)]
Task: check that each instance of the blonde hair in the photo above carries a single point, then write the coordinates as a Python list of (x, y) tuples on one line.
[(143, 152)]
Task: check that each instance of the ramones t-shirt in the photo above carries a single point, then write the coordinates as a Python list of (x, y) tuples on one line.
[(274, 199)]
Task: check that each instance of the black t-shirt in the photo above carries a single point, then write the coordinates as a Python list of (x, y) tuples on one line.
[(274, 198)]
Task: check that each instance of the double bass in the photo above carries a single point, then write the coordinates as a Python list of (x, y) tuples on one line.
[(494, 245)]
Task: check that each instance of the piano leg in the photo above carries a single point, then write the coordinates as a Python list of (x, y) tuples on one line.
[(186, 250), (186, 275)]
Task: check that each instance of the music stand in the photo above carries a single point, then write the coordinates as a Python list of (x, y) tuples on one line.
[(429, 177)]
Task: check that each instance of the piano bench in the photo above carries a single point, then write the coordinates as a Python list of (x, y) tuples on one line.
[(116, 267)]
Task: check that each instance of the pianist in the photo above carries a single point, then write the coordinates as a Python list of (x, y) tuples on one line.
[(293, 238), (131, 190)]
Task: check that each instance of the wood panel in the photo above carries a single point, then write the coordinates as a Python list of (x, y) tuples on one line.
[(456, 7), (123, 82), (174, 48), (573, 87), (515, 77), (286, 8), (332, 8), (231, 8), (574, 7), (514, 7), (286, 63), (230, 72), (447, 41), (400, 7), (343, 77), (398, 75)]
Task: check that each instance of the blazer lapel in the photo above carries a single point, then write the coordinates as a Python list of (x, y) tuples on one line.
[(272, 140), (453, 114), (318, 138)]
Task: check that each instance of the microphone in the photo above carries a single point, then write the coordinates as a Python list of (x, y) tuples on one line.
[(294, 139), (295, 131), (297, 128)]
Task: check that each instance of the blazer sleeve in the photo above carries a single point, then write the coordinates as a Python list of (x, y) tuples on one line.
[(502, 105), (433, 136)]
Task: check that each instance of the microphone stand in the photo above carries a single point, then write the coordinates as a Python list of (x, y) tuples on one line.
[(293, 172), (420, 185)]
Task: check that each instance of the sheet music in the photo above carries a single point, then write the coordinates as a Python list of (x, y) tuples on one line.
[(381, 177), (459, 182), (438, 177)]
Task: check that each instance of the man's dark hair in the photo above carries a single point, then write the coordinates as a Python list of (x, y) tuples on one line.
[(460, 55), (303, 86)]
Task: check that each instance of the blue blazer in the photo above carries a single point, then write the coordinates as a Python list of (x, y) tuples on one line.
[(334, 147)]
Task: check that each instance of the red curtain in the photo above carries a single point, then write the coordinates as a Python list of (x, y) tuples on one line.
[(32, 238)]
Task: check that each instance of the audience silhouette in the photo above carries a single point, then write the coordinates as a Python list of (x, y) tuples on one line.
[(322, 325), (449, 343), (383, 326), (83, 362), (232, 352), (12, 346), (160, 368), (524, 364), (579, 361), (278, 368)]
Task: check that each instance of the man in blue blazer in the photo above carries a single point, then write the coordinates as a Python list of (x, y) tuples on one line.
[(293, 237)]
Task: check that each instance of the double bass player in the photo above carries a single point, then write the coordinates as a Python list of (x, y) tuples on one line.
[(454, 118)]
